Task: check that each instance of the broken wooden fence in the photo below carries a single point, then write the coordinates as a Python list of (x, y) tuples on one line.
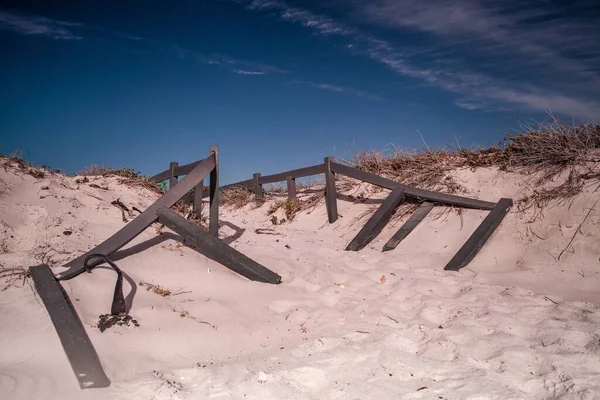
[(429, 199), (76, 343)]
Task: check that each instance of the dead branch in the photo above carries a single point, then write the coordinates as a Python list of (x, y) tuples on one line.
[(578, 229)]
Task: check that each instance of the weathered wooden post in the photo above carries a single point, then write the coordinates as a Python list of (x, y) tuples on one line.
[(291, 188), (258, 190), (172, 177), (215, 194), (198, 195), (330, 192)]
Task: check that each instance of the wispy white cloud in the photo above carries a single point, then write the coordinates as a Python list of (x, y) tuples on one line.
[(241, 67), (320, 24), (464, 27), (35, 25), (511, 32), (338, 89), (243, 72)]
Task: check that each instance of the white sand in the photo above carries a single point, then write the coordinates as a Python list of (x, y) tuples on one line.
[(342, 325)]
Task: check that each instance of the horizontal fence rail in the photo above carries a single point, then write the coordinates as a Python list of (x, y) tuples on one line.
[(295, 173), (412, 191)]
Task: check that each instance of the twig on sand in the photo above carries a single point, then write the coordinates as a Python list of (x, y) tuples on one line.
[(91, 195), (393, 319), (549, 299), (577, 230), (117, 203), (184, 313), (266, 231)]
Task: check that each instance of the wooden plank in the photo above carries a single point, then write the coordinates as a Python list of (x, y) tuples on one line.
[(377, 221), (475, 242), (75, 341), (330, 191), (215, 249), (187, 168), (291, 188), (215, 194), (258, 190), (295, 173), (172, 176), (162, 176), (198, 196), (414, 220), (142, 221), (422, 194)]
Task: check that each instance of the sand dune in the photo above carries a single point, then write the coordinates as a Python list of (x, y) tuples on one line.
[(517, 323)]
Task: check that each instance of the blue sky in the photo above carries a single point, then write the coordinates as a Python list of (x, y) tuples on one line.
[(279, 85)]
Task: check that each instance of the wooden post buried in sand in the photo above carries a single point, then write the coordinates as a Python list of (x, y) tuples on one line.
[(258, 190), (172, 178), (198, 196), (330, 192), (291, 188), (215, 194)]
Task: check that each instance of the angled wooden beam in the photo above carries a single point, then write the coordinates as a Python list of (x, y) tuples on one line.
[(172, 176), (377, 221), (330, 192), (142, 221), (75, 341), (215, 249), (215, 194), (483, 232), (414, 220), (426, 195), (291, 188)]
